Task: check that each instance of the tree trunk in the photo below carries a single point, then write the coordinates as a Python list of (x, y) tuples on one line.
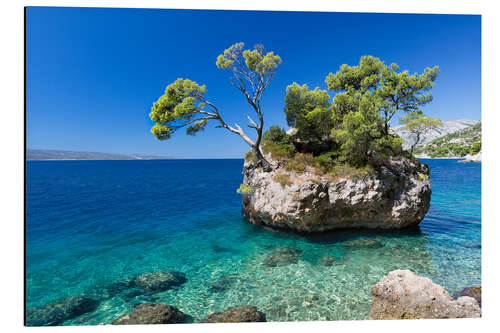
[(266, 166)]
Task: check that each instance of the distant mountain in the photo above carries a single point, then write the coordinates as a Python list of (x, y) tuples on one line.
[(466, 141), (42, 154), (449, 126)]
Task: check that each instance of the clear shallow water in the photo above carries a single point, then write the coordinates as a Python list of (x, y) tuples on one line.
[(94, 223)]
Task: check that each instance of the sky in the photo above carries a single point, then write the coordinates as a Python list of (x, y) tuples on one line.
[(92, 74)]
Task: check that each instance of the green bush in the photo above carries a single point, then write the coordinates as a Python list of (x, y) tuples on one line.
[(251, 157), (299, 162), (278, 150), (348, 171), (476, 148), (244, 189), (325, 161), (283, 180)]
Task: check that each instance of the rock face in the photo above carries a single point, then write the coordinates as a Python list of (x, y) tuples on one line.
[(238, 314), (59, 311), (404, 295), (159, 281), (474, 292), (148, 313), (282, 256), (396, 196)]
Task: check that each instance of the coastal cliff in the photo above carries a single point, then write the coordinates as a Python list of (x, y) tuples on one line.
[(395, 196)]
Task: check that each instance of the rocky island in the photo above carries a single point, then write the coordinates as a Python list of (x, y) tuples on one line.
[(393, 197)]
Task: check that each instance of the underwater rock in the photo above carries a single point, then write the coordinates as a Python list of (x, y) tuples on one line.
[(474, 292), (159, 281), (223, 283), (59, 311), (395, 196), (363, 244), (282, 256), (148, 313), (403, 295), (237, 314), (327, 261)]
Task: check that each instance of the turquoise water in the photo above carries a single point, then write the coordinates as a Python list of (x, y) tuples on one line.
[(94, 223)]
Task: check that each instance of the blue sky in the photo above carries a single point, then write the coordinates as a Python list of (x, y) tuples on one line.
[(93, 73)]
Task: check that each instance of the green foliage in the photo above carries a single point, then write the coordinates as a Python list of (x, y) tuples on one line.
[(255, 60), (417, 124), (278, 143), (251, 157), (456, 144), (244, 189), (475, 148), (178, 107), (422, 176), (347, 171), (283, 179), (308, 111), (391, 89), (300, 162), (325, 162)]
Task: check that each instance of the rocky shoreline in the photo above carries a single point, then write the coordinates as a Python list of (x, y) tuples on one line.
[(395, 196), (401, 294)]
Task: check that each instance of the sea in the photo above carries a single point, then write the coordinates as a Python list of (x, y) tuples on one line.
[(93, 224)]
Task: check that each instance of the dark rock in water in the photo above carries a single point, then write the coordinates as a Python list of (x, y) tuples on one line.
[(223, 283), (327, 261), (363, 244), (237, 314), (159, 281), (148, 313), (282, 256), (118, 287), (474, 292), (59, 311)]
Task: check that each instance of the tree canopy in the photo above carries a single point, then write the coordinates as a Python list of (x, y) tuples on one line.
[(354, 125), (183, 105), (417, 124)]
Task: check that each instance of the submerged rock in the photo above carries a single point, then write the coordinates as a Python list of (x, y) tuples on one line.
[(474, 292), (282, 256), (395, 196), (363, 244), (327, 261), (59, 311), (237, 314), (159, 281), (223, 283), (148, 313), (403, 295)]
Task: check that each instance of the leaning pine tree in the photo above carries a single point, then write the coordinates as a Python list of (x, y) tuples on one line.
[(184, 104)]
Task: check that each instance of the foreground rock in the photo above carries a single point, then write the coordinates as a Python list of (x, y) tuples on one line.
[(282, 256), (59, 311), (396, 196), (238, 314), (474, 292), (159, 281), (148, 313), (404, 295)]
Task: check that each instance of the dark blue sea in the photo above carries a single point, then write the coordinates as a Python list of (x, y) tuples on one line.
[(91, 224)]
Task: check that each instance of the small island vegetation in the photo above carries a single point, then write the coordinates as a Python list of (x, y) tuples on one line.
[(350, 134), (347, 135)]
